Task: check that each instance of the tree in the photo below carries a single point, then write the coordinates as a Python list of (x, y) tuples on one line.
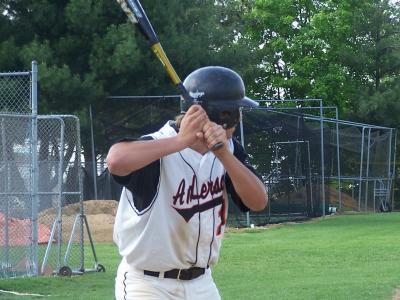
[(88, 50), (343, 51), (334, 50)]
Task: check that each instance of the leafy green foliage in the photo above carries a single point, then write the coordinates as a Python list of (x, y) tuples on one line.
[(88, 50), (343, 51), (339, 51)]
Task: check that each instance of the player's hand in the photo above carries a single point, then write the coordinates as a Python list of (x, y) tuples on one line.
[(214, 134), (191, 128)]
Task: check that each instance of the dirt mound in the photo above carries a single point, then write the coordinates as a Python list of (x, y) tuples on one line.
[(348, 202), (331, 195), (101, 227), (99, 213), (90, 207)]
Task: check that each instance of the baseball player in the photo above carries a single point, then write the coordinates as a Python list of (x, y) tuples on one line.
[(173, 207)]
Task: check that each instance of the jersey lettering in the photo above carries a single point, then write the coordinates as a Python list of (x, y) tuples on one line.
[(208, 188)]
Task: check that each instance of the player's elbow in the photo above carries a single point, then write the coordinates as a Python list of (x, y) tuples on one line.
[(260, 202), (112, 163), (115, 163), (260, 205)]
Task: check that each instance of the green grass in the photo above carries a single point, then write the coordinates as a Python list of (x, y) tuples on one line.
[(344, 257)]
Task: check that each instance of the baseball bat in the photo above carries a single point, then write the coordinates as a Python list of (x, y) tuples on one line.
[(137, 15)]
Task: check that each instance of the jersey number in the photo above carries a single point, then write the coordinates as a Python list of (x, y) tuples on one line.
[(222, 215)]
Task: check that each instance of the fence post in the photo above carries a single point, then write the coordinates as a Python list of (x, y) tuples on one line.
[(367, 171), (361, 169), (338, 158), (34, 177), (393, 178), (242, 142), (388, 187), (94, 161), (321, 112)]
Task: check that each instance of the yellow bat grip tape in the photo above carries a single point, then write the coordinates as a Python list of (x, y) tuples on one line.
[(159, 51)]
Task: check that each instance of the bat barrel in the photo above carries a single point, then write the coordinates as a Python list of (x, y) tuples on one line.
[(142, 21)]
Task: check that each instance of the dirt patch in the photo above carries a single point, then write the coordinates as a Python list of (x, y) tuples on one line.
[(348, 202), (90, 207), (331, 195), (100, 215), (101, 227)]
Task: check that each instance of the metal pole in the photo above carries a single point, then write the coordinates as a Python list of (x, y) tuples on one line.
[(338, 159), (61, 195), (321, 111), (35, 174), (361, 169), (394, 167), (80, 183), (389, 160), (309, 179), (367, 171), (242, 142), (374, 194), (94, 166)]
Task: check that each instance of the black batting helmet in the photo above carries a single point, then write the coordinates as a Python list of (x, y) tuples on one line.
[(220, 91)]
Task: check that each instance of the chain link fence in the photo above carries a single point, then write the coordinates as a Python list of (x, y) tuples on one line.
[(15, 92), (41, 212), (16, 224)]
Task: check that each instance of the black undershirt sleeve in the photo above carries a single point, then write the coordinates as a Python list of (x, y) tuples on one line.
[(142, 183), (242, 156)]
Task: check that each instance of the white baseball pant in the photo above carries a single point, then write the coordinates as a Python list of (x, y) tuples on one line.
[(133, 284)]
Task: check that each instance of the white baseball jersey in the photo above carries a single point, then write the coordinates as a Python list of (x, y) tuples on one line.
[(172, 213)]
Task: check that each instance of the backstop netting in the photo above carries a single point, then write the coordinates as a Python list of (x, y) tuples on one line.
[(286, 151), (312, 165), (367, 164)]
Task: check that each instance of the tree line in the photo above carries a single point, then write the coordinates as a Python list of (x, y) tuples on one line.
[(345, 52)]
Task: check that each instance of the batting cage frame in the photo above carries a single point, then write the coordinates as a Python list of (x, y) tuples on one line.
[(41, 201), (372, 158), (312, 162)]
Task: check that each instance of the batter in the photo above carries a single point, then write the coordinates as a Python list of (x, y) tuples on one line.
[(173, 207)]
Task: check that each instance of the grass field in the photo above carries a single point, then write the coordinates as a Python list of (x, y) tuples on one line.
[(340, 257)]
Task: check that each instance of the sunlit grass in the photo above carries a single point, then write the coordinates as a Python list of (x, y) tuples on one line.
[(341, 257)]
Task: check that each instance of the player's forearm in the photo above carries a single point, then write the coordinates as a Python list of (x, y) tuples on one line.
[(248, 186), (126, 157)]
